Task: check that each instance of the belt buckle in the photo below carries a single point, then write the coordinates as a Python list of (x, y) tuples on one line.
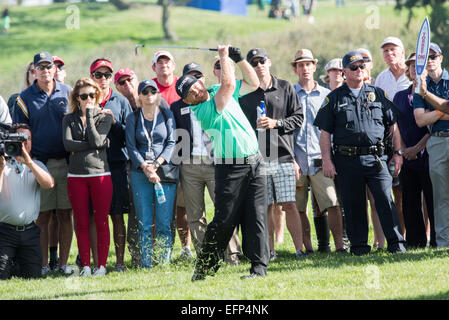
[(20, 228)]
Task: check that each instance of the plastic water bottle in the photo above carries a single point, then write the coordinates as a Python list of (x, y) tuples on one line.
[(160, 196), (261, 113)]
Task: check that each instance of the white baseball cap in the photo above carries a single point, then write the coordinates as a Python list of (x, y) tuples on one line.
[(393, 40), (159, 54)]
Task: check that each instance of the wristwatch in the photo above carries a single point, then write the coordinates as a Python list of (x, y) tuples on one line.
[(157, 164), (280, 123), (399, 152)]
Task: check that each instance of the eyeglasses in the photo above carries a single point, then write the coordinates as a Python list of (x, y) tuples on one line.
[(60, 67), (42, 67), (366, 59), (261, 61), (217, 66), (148, 90), (122, 83), (84, 96), (433, 56), (354, 67), (99, 75)]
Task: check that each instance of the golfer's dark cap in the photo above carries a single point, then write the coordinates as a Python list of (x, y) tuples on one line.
[(351, 57), (256, 53), (184, 84), (43, 56), (192, 66), (145, 84)]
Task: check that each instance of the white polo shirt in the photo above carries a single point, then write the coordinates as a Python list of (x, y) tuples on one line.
[(386, 81)]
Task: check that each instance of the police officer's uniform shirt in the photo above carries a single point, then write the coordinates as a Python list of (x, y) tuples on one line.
[(357, 121), (20, 195), (440, 89), (307, 137)]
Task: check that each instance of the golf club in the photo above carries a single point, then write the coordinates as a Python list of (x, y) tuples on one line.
[(171, 47)]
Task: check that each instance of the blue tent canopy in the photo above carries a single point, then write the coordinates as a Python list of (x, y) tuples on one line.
[(236, 7)]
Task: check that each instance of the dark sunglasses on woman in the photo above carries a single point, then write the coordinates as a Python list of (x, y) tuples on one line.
[(84, 96), (148, 90), (99, 75)]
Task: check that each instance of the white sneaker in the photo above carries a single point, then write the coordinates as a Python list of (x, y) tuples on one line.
[(45, 270), (100, 272), (66, 270), (186, 254), (86, 272)]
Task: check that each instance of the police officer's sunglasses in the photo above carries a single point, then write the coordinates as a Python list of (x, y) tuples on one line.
[(99, 75), (261, 61), (354, 67), (84, 96)]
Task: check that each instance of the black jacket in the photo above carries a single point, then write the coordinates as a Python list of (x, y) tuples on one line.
[(281, 102)]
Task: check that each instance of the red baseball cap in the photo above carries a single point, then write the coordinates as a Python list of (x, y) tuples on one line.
[(58, 59), (122, 72), (101, 63)]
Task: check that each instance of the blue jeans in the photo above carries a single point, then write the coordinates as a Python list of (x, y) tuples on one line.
[(144, 198)]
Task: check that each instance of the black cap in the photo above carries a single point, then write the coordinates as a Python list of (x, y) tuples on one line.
[(192, 66), (351, 57), (183, 85), (256, 53), (43, 56), (146, 83)]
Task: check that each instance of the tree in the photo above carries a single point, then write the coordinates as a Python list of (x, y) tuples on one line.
[(439, 13), (169, 34), (120, 5)]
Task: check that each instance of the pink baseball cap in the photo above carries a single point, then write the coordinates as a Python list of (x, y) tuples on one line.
[(159, 54), (58, 59), (122, 72), (101, 63)]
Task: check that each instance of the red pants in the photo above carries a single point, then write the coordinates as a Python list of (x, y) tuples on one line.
[(99, 190)]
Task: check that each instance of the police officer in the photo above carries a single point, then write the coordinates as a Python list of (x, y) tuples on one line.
[(357, 115)]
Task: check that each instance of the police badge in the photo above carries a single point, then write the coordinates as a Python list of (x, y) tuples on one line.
[(371, 96)]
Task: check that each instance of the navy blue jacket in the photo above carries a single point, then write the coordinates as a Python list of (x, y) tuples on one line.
[(121, 109), (44, 115)]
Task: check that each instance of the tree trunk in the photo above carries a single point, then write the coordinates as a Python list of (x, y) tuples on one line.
[(168, 33)]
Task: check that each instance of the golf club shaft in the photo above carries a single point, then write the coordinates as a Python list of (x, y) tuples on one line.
[(172, 47)]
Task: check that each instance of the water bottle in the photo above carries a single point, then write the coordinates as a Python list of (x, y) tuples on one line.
[(261, 113), (160, 196)]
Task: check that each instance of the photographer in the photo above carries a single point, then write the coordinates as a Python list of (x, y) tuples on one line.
[(21, 179)]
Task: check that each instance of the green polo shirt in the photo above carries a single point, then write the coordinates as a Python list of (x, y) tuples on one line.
[(230, 131)]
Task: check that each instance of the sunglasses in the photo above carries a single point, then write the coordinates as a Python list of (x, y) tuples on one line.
[(261, 61), (84, 96), (148, 90), (122, 83), (217, 66), (60, 67), (99, 75), (41, 67), (433, 56), (353, 67)]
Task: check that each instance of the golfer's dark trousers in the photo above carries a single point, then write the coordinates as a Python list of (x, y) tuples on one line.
[(240, 198), (20, 252)]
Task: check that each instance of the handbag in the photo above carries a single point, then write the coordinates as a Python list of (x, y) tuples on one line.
[(167, 172)]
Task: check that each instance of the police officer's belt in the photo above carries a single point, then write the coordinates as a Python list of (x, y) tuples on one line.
[(358, 151)]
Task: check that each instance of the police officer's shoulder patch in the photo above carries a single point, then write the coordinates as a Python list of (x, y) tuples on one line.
[(325, 102)]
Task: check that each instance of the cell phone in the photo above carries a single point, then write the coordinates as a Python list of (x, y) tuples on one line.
[(317, 163)]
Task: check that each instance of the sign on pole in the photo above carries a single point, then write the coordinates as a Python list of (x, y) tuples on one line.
[(422, 50)]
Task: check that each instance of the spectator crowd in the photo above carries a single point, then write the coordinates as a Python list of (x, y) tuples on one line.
[(262, 147)]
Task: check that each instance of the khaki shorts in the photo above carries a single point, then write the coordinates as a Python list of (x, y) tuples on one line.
[(179, 196), (323, 189), (56, 197)]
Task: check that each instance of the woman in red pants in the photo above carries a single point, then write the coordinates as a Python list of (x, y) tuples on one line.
[(85, 129)]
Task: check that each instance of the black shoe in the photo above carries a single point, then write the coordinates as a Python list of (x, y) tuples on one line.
[(342, 251), (299, 254), (360, 250), (252, 276), (198, 274), (78, 262), (53, 264), (309, 252)]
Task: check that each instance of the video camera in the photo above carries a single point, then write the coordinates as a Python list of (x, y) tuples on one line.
[(11, 143)]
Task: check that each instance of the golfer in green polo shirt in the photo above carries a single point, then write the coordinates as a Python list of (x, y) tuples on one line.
[(240, 187)]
